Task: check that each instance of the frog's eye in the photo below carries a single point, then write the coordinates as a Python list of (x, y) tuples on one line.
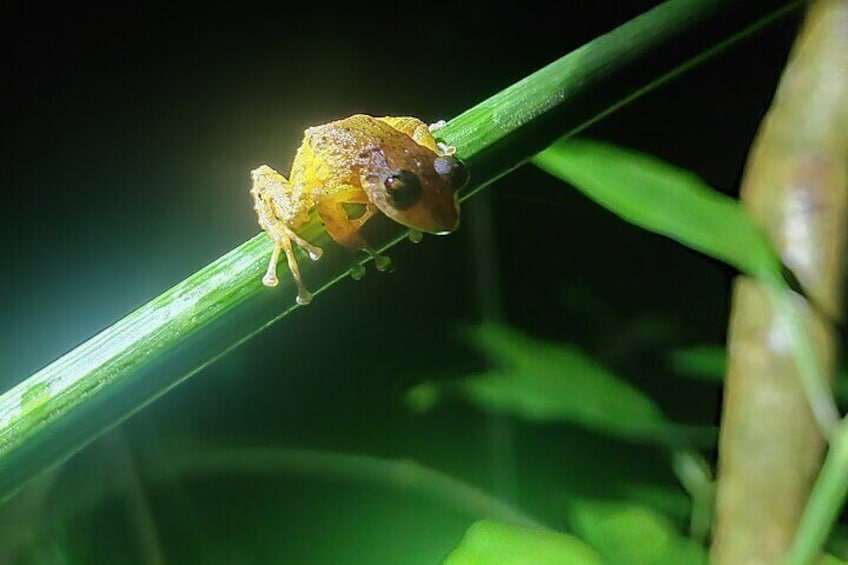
[(404, 189), (452, 169)]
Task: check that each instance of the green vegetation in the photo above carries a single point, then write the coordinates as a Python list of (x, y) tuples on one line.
[(634, 480)]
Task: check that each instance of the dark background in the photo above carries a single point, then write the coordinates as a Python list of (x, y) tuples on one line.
[(128, 135)]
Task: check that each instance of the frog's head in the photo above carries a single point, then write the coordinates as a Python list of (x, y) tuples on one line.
[(420, 193)]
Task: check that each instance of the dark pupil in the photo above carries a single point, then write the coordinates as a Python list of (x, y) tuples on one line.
[(404, 189)]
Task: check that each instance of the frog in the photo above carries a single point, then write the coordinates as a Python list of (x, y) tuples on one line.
[(391, 166)]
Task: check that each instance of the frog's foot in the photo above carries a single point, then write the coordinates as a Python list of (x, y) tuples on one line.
[(270, 277), (442, 148), (283, 237), (269, 198), (313, 251), (436, 126), (281, 242), (382, 262), (445, 150), (357, 271)]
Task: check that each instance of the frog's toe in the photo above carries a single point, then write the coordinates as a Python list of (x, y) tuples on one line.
[(304, 297), (382, 262), (445, 150), (357, 271), (270, 278), (436, 126)]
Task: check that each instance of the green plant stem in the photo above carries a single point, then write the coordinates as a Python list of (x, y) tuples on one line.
[(825, 503), (52, 414), (581, 88)]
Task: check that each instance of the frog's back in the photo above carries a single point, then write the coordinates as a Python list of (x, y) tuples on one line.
[(334, 153)]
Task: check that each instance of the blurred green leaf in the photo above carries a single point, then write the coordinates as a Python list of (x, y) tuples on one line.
[(636, 535), (663, 199), (837, 544), (702, 362), (825, 503), (673, 202), (709, 363), (545, 382), (491, 543), (696, 476)]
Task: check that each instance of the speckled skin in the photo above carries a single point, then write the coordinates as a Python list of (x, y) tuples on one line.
[(348, 162)]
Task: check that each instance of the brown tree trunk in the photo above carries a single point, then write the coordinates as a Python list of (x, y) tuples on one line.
[(796, 186)]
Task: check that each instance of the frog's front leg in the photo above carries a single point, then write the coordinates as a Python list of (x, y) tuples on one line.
[(341, 227), (346, 230), (271, 198)]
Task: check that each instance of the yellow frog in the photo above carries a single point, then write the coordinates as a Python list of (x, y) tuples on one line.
[(391, 165)]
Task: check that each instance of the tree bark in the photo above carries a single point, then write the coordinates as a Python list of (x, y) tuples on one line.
[(796, 186)]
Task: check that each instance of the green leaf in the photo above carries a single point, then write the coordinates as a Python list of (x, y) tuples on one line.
[(703, 362), (663, 199), (546, 382), (709, 363), (826, 501), (636, 535), (670, 201), (491, 543)]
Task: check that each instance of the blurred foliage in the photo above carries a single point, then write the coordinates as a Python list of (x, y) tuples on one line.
[(545, 382), (708, 363), (571, 408), (620, 476), (502, 544), (627, 533)]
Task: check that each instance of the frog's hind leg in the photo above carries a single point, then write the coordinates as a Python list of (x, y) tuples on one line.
[(270, 278), (269, 197)]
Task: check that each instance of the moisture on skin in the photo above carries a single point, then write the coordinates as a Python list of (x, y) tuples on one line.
[(390, 165)]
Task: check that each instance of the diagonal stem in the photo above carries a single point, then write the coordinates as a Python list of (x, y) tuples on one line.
[(52, 414)]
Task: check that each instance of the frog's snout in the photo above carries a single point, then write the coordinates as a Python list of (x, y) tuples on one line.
[(446, 218)]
